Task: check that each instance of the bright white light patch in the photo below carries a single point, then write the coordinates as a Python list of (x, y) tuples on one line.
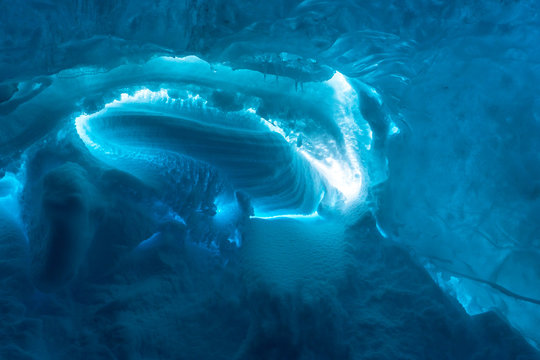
[(338, 175), (393, 129), (314, 215), (346, 174)]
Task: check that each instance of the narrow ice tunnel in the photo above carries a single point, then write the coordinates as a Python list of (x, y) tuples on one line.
[(289, 179)]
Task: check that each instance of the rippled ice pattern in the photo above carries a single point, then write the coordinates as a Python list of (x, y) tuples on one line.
[(282, 179)]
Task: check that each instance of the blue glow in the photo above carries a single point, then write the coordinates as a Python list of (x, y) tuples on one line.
[(281, 179), (150, 242), (227, 209), (314, 215), (339, 168), (10, 192), (381, 231), (236, 238)]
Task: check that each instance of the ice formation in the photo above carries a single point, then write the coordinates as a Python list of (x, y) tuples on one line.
[(278, 180)]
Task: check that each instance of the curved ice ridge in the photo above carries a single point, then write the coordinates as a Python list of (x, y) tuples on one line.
[(257, 161), (285, 164)]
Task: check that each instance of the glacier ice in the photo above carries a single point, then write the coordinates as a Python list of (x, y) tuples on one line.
[(287, 180)]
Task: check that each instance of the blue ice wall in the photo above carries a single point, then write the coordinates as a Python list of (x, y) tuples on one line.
[(213, 179)]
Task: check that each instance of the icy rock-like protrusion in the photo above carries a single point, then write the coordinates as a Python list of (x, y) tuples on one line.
[(61, 237)]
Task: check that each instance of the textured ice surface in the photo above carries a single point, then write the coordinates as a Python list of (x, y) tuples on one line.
[(287, 180)]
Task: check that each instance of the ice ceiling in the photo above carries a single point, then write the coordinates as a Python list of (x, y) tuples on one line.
[(226, 118), (303, 154)]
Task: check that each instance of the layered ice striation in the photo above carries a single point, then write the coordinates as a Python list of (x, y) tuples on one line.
[(200, 137), (266, 145), (289, 159)]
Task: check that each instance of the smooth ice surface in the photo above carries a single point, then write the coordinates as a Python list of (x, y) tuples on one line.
[(269, 180)]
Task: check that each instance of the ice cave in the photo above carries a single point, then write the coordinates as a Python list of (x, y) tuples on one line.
[(280, 179)]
